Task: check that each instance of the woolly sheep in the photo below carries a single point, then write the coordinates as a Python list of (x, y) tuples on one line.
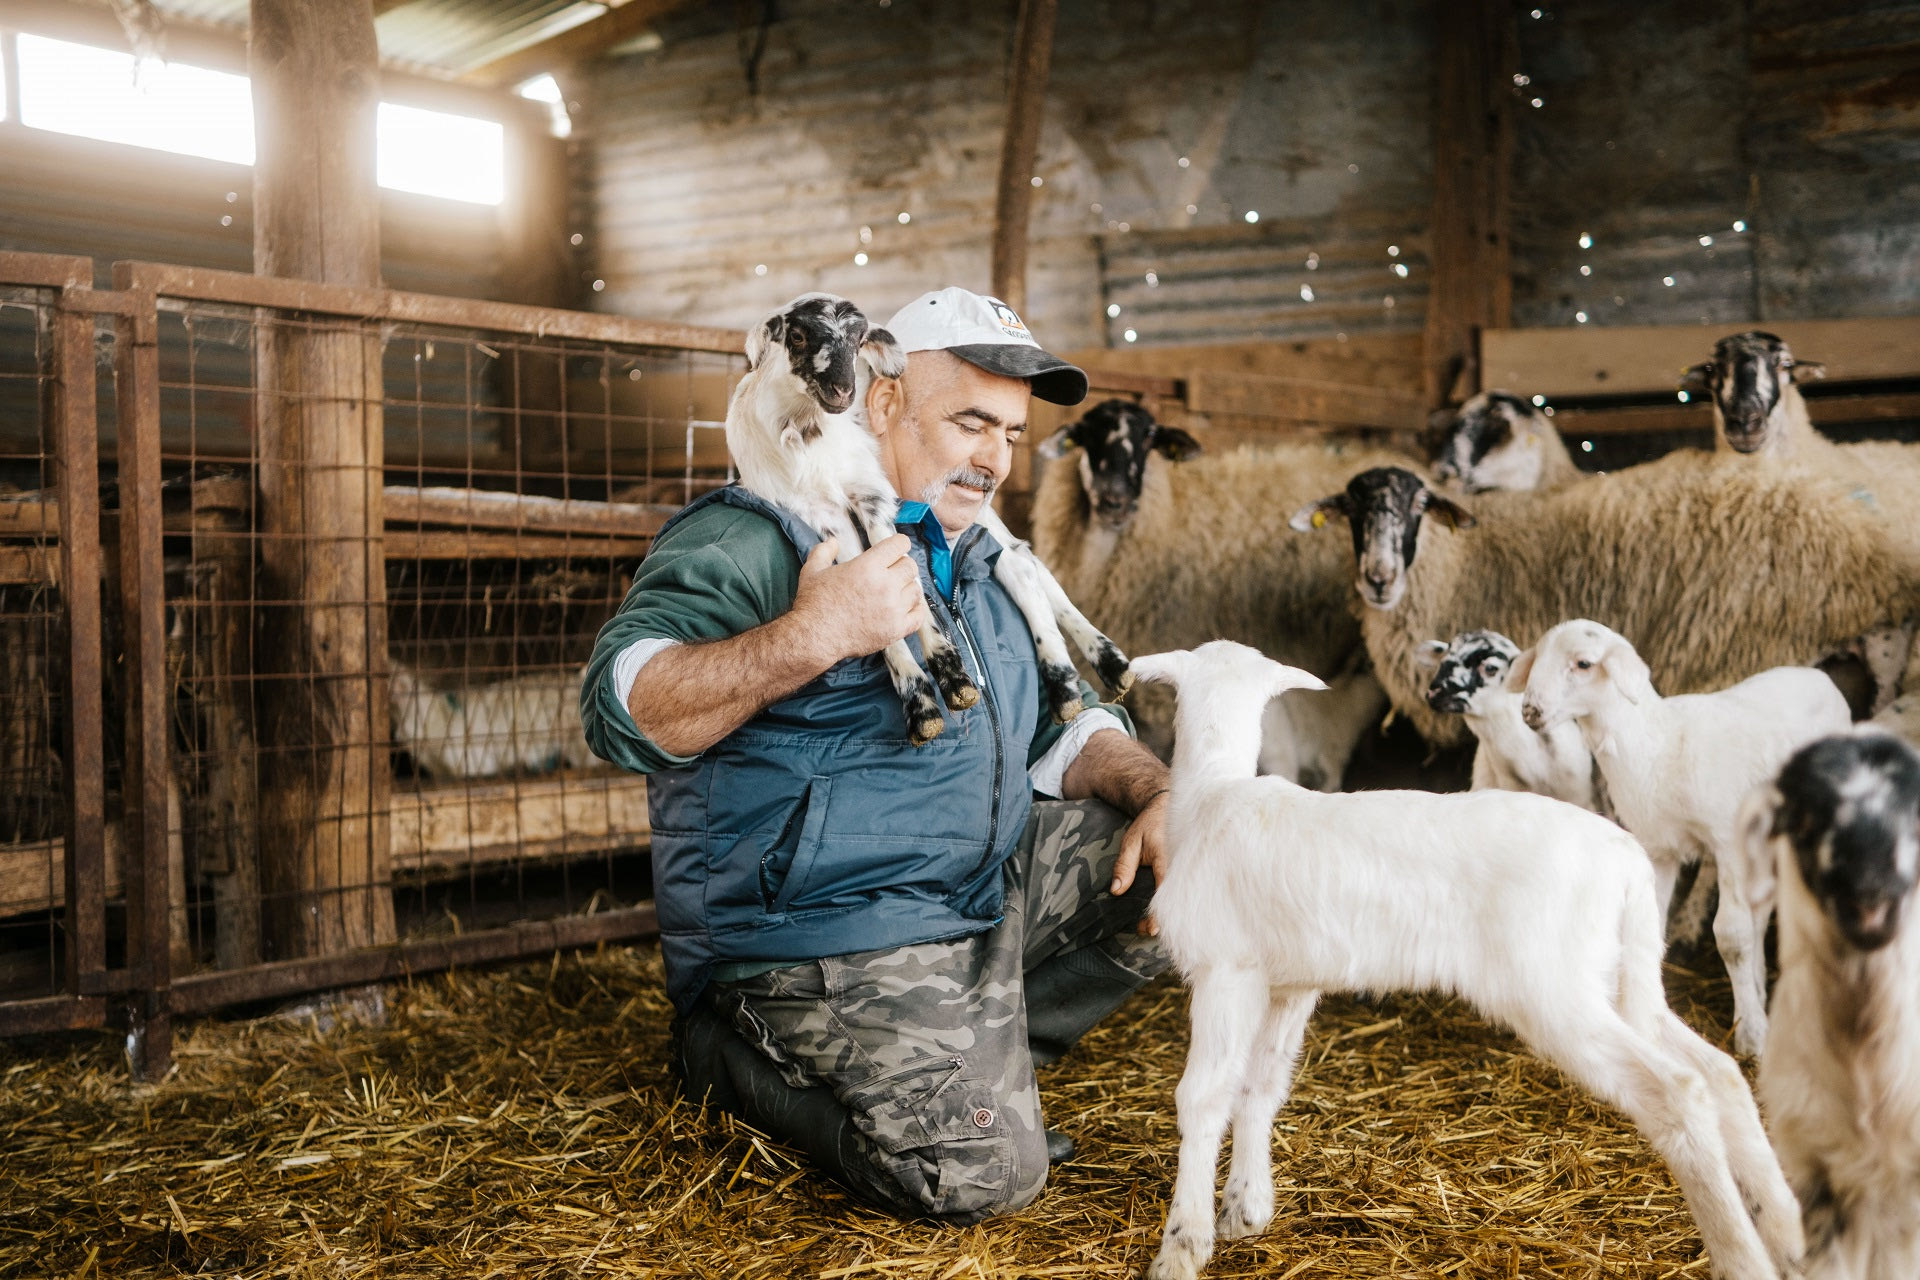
[(1498, 442), (529, 724), (1539, 914), (1714, 569), (1677, 770), (1839, 833), (1169, 549)]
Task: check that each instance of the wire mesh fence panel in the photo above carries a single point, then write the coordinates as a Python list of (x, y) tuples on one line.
[(52, 899), (388, 548)]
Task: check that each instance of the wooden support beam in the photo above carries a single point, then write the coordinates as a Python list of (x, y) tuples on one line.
[(576, 44), (1026, 106), (325, 776), (1472, 166), (1303, 400)]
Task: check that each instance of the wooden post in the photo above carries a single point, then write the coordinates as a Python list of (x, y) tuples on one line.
[(1026, 104), (316, 210), (1472, 164)]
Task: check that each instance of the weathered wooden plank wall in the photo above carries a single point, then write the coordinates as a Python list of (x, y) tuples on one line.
[(1658, 125), (1308, 114)]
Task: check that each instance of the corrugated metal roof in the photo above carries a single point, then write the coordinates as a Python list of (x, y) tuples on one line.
[(437, 37)]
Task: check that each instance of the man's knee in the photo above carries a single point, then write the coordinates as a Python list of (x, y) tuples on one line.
[(957, 1149)]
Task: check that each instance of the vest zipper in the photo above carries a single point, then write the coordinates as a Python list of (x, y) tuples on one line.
[(965, 632)]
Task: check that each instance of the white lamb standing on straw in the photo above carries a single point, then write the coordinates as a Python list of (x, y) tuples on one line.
[(1539, 914)]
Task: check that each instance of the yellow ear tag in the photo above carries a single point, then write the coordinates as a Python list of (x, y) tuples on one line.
[(1319, 519)]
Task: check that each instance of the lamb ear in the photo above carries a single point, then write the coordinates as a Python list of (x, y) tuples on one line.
[(1176, 444), (881, 350), (762, 336), (1428, 655), (1522, 668), (1698, 379), (1628, 671), (1806, 369), (1057, 444), (1316, 514), (1290, 678), (1445, 510), (1160, 668)]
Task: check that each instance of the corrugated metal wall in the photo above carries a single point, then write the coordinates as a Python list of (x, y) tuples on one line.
[(1658, 125), (1661, 126)]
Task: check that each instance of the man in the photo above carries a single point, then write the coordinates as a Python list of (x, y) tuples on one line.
[(869, 944)]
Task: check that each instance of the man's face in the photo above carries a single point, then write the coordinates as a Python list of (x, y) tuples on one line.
[(947, 433)]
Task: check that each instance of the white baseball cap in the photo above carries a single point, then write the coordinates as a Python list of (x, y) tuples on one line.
[(985, 332)]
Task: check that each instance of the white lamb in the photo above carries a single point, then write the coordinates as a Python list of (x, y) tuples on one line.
[(1840, 831), (1677, 770), (528, 724), (1471, 678), (798, 442), (1538, 913)]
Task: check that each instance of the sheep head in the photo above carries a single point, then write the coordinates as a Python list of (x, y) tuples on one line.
[(1472, 665), (1574, 669), (817, 338), (1383, 508), (1849, 806), (1114, 438), (1494, 441), (1748, 377)]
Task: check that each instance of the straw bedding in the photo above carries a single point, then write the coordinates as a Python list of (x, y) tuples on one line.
[(520, 1122)]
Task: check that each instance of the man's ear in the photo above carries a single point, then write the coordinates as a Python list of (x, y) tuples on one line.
[(1176, 444), (1445, 510), (763, 336), (1807, 370), (1698, 379), (1427, 656), (1316, 514), (1057, 444), (886, 403), (1522, 668)]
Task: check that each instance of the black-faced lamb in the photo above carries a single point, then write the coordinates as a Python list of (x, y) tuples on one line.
[(1677, 770), (1839, 833), (1714, 569), (1539, 914), (797, 443), (1471, 680)]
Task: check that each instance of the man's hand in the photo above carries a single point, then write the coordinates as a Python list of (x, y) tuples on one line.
[(693, 695), (1145, 841), (860, 607)]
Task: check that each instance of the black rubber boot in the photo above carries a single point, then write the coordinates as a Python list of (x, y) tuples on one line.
[(719, 1067), (1068, 994)]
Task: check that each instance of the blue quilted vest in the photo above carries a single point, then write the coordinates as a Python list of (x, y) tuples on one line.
[(817, 829)]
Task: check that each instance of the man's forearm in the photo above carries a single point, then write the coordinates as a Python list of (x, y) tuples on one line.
[(690, 696), (1114, 768)]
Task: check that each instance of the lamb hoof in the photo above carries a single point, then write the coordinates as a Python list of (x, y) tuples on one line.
[(1178, 1259), (1237, 1222), (963, 695), (1115, 670), (1065, 709), (926, 729), (951, 675)]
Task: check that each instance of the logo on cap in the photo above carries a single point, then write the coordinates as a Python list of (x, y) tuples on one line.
[(1008, 320)]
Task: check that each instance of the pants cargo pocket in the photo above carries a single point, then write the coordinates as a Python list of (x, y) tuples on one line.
[(942, 1138)]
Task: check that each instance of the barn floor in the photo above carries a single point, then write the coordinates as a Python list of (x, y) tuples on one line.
[(519, 1122)]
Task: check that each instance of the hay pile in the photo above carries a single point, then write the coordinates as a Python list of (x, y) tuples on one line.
[(520, 1123)]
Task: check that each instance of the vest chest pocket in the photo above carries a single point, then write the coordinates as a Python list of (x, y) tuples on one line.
[(787, 865)]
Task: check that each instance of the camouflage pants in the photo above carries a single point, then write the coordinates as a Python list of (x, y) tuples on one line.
[(927, 1046)]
